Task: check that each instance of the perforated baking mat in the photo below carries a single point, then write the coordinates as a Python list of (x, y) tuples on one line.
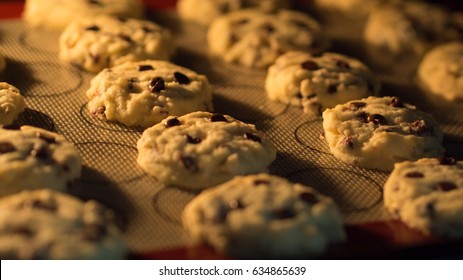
[(148, 211)]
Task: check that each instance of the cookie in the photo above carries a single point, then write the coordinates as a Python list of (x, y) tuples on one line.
[(441, 71), (11, 103), (57, 14), (411, 27), (45, 224), (31, 157), (266, 216), (255, 39), (145, 92), (376, 132), (427, 195), (316, 82), (105, 41), (205, 11), (202, 149)]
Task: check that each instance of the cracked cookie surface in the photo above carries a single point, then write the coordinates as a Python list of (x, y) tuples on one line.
[(316, 82), (427, 195), (201, 149), (100, 42), (45, 224), (255, 39), (145, 92), (31, 157), (264, 216), (376, 132)]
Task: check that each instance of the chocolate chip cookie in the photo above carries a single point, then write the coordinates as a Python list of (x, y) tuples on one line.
[(264, 216), (202, 149)]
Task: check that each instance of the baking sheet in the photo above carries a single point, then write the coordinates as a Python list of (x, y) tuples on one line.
[(148, 211)]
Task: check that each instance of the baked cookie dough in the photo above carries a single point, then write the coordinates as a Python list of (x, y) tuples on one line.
[(105, 41), (316, 82), (411, 27), (205, 11), (31, 158), (441, 71), (202, 149), (145, 92), (45, 224), (255, 39), (376, 132), (57, 14), (266, 216), (11, 103), (427, 195)]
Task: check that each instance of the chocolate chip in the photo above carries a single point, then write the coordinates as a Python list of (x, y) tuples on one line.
[(332, 89), (221, 216), (223, 8), (93, 232), (242, 21), (396, 102), (147, 29), (348, 142), (172, 122), (125, 37), (22, 231), (363, 117), (261, 182), (311, 96), (145, 67), (218, 118), (300, 24), (414, 175), (235, 204), (354, 106), (12, 127), (309, 198), (419, 128), (446, 186), (310, 65), (38, 204), (285, 214), (156, 84), (100, 112), (92, 28), (269, 28), (192, 140), (252, 137), (181, 78), (121, 19), (131, 83), (233, 37), (189, 163), (377, 119), (95, 2), (342, 64), (6, 147), (41, 152), (49, 139), (447, 161)]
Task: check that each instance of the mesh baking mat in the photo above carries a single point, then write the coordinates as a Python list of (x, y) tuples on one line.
[(148, 211)]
